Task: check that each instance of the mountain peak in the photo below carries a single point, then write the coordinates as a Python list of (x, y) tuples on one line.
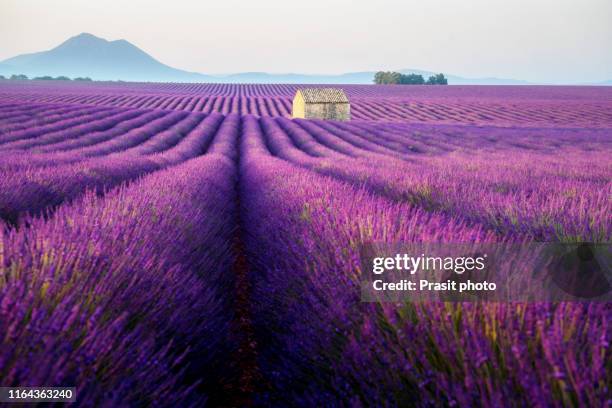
[(90, 40), (85, 40), (88, 55), (86, 35)]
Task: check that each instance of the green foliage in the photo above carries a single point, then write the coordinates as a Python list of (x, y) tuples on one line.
[(19, 77), (387, 78), (384, 78), (438, 79), (2, 77), (82, 79), (50, 78), (412, 79)]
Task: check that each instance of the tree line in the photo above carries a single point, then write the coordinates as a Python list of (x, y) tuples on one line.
[(390, 78), (21, 77)]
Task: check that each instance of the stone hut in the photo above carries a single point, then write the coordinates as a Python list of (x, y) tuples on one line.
[(321, 103)]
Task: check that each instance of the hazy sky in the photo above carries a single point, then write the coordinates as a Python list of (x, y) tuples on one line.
[(537, 40)]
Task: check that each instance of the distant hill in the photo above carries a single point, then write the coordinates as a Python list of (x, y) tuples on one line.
[(365, 77), (97, 58), (457, 80), (266, 78), (86, 55), (6, 69)]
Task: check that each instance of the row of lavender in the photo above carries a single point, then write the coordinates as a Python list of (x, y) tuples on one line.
[(305, 262), (516, 93), (44, 166), (317, 342), (127, 296), (544, 113), (27, 121), (510, 186), (533, 192), (549, 196)]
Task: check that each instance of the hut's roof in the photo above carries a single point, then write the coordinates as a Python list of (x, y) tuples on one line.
[(323, 95)]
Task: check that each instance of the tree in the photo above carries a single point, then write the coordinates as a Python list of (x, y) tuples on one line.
[(2, 77), (62, 78), (412, 79), (442, 79), (19, 77), (378, 78), (82, 79), (43, 78), (438, 79), (385, 78)]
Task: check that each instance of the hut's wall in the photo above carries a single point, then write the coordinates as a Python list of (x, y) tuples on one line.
[(298, 110), (331, 111)]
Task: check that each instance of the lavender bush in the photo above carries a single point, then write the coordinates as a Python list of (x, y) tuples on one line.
[(125, 296)]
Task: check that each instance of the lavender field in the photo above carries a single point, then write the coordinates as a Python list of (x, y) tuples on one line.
[(191, 244)]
